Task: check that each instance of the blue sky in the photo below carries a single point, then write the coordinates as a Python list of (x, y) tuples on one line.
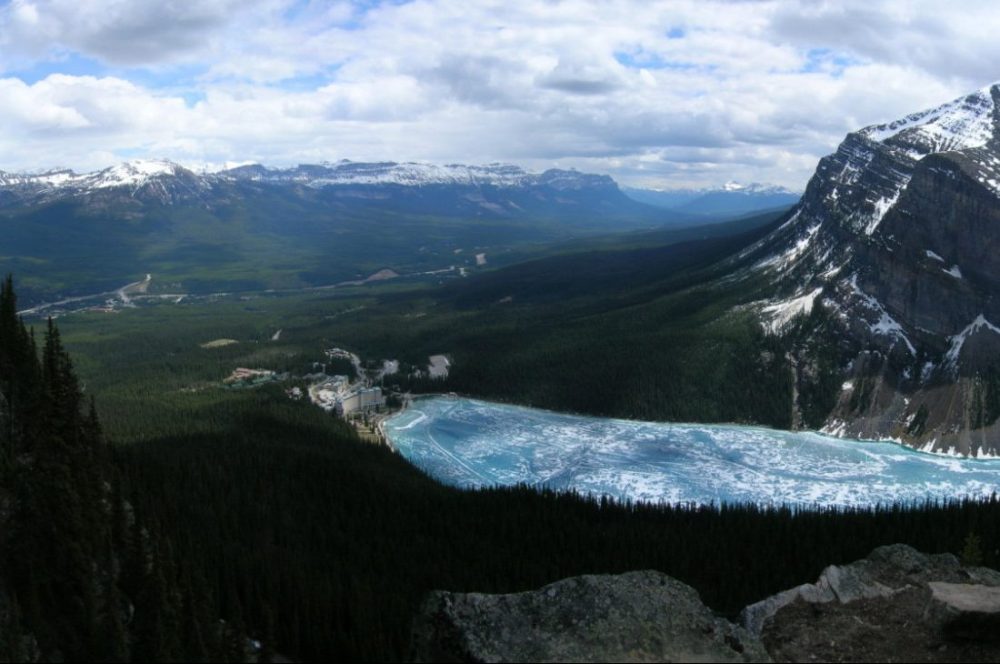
[(663, 94)]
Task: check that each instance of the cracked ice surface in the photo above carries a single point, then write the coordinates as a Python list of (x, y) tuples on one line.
[(473, 443)]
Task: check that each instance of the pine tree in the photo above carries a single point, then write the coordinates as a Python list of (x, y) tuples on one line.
[(972, 551), (112, 644)]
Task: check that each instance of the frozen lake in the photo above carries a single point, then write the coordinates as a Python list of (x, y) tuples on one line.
[(469, 443)]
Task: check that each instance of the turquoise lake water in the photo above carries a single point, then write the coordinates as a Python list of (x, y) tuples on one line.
[(471, 443)]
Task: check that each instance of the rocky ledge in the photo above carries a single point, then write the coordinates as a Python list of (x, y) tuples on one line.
[(634, 617), (895, 605)]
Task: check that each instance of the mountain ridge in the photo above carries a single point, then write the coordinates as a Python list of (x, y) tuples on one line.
[(894, 245), (137, 173), (251, 227), (729, 198)]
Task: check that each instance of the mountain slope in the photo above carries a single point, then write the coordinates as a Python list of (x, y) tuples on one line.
[(895, 244)]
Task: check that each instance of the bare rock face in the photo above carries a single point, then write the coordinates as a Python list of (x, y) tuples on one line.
[(895, 605), (634, 617)]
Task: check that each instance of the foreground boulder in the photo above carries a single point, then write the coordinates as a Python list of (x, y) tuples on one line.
[(635, 617), (895, 605), (966, 611)]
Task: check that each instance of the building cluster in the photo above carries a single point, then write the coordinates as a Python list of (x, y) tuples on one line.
[(243, 377), (336, 394)]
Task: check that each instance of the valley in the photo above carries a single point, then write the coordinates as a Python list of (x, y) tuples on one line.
[(259, 229)]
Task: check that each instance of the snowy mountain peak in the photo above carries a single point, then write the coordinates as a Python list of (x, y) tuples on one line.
[(967, 122), (133, 173), (754, 188)]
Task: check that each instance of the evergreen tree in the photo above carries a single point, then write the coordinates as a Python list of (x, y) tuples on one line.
[(68, 553)]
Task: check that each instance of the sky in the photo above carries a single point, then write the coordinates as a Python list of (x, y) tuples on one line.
[(656, 94)]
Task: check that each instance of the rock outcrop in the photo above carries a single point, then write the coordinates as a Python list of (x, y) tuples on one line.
[(895, 605), (634, 617)]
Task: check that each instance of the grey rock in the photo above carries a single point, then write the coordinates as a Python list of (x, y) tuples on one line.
[(886, 571), (966, 610), (895, 605), (641, 616)]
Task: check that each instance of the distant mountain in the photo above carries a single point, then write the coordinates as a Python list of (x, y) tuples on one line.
[(149, 179), (251, 226), (893, 255), (492, 191), (731, 199), (346, 173)]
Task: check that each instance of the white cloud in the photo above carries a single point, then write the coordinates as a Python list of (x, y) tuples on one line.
[(120, 32), (666, 94)]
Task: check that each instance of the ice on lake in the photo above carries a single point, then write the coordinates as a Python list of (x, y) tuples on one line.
[(472, 443)]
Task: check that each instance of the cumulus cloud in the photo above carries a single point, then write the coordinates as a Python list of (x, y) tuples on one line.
[(121, 32), (680, 93)]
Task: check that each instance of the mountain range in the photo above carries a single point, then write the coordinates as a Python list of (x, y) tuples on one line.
[(170, 182), (731, 199), (67, 233)]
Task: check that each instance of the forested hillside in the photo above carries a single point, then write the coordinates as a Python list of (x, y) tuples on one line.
[(84, 576), (280, 521)]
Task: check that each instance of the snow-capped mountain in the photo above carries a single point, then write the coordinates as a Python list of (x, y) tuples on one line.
[(168, 182), (731, 198), (415, 174), (386, 173), (754, 188), (895, 250), (304, 226), (159, 179)]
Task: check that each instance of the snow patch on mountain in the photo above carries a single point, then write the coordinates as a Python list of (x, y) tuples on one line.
[(958, 341), (885, 325), (880, 208), (419, 174), (787, 258), (779, 314), (987, 170), (409, 174)]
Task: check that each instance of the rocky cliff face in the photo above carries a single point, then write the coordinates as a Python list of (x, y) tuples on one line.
[(896, 243), (895, 605)]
